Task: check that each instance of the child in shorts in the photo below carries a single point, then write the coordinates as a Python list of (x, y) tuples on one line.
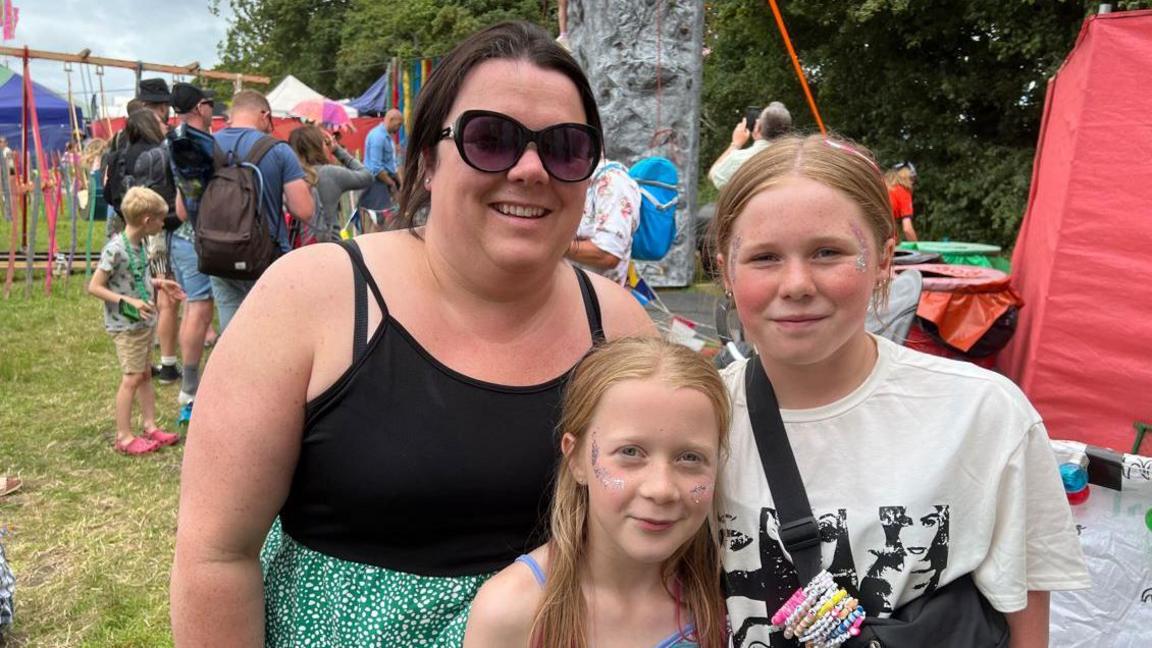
[(124, 283)]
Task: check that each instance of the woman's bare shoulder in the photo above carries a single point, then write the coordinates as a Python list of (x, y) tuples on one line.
[(623, 316)]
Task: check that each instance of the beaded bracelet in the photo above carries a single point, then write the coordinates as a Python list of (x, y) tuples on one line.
[(819, 614)]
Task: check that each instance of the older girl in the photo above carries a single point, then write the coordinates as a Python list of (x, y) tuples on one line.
[(919, 470)]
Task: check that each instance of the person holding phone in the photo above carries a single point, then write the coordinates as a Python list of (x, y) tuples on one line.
[(773, 121)]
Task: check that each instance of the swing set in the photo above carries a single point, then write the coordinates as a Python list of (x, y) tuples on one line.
[(56, 182)]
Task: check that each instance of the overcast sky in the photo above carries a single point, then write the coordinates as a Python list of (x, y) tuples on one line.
[(153, 31)]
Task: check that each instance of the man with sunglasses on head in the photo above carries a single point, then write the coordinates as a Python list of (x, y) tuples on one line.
[(380, 158), (603, 241), (284, 186), (189, 150)]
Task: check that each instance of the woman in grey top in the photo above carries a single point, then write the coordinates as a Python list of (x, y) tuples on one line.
[(329, 181)]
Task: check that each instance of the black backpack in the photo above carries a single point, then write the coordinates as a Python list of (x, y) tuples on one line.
[(115, 166), (234, 238)]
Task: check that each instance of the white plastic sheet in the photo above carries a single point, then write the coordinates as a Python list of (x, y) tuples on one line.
[(1117, 611)]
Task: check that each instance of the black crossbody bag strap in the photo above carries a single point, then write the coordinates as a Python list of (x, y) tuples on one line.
[(799, 532)]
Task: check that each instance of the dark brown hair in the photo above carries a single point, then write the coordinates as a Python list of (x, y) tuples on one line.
[(505, 41), (143, 125)]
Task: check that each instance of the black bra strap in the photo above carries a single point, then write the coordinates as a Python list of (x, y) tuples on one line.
[(591, 306), (361, 278)]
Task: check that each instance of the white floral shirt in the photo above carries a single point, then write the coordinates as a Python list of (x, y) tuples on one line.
[(611, 215)]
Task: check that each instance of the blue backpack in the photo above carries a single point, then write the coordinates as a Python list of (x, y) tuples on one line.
[(659, 183)]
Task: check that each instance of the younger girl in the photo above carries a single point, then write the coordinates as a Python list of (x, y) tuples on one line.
[(632, 559)]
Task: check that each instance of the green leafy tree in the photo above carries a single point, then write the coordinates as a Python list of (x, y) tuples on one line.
[(339, 47), (956, 86), (280, 37)]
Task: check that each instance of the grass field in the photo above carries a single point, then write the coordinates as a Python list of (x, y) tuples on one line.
[(90, 535)]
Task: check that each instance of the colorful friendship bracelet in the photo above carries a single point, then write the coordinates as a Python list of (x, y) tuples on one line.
[(820, 614)]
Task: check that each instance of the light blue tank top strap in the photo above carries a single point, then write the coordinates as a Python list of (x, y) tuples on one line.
[(534, 566), (677, 640), (680, 639)]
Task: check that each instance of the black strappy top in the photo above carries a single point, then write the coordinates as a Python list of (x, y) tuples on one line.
[(411, 466)]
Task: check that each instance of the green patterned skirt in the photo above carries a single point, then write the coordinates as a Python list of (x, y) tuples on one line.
[(312, 599)]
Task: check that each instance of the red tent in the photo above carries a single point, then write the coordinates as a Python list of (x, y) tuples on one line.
[(352, 141), (1083, 258)]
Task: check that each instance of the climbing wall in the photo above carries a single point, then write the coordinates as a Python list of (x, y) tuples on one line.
[(643, 58)]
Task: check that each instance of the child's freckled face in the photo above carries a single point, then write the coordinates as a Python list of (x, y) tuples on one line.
[(650, 459)]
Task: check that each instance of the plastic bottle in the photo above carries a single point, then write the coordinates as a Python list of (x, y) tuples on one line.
[(1075, 480)]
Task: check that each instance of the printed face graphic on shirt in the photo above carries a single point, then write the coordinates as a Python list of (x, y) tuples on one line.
[(913, 551)]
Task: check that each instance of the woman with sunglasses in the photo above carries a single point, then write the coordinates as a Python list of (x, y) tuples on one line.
[(401, 421)]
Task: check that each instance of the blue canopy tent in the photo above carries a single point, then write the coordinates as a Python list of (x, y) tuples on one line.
[(376, 99), (52, 110)]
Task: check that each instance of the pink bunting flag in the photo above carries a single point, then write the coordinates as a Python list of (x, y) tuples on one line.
[(11, 17)]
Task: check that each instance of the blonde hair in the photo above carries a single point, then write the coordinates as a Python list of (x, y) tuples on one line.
[(835, 163), (901, 177), (694, 569), (93, 151), (141, 202)]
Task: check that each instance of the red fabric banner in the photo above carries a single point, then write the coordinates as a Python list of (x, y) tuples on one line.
[(1084, 251)]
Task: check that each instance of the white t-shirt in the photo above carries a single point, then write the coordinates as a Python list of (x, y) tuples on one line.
[(723, 172), (930, 470)]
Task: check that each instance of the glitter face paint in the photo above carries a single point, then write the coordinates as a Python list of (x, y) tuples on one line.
[(698, 493), (862, 257), (610, 482), (733, 250)]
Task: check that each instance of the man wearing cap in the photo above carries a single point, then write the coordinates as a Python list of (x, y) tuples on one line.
[(191, 166), (380, 159)]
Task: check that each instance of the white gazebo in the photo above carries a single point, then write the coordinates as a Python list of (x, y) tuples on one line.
[(292, 91)]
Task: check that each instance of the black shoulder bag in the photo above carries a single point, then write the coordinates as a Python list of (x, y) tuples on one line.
[(954, 616)]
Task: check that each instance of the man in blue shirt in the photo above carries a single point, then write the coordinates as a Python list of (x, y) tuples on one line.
[(284, 186), (380, 159)]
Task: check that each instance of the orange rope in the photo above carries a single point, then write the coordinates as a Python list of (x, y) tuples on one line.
[(796, 65)]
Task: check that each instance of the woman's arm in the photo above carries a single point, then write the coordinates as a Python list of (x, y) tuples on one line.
[(348, 179), (909, 231), (1028, 628), (241, 452), (347, 159)]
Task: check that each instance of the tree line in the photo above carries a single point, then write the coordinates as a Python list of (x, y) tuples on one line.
[(955, 86)]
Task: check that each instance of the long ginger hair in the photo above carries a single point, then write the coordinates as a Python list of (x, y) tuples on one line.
[(691, 575)]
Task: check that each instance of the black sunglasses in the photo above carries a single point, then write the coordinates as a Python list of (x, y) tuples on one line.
[(493, 142)]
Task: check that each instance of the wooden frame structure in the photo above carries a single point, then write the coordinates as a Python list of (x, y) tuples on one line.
[(85, 56)]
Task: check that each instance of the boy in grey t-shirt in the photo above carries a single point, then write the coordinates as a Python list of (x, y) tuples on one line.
[(124, 283)]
